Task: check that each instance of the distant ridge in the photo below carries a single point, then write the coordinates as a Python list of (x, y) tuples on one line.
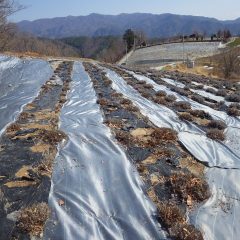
[(162, 25)]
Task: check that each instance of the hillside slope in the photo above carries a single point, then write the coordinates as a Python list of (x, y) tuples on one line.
[(162, 25)]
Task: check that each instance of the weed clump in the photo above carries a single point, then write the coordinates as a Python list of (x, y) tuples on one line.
[(131, 108), (102, 101), (162, 135), (161, 94), (24, 115), (116, 95), (198, 98), (221, 92), (170, 214), (217, 124), (123, 137), (182, 105), (170, 98), (173, 218), (233, 112), (186, 117), (200, 114), (14, 128), (32, 219), (187, 186), (52, 136), (216, 134), (125, 101), (233, 98)]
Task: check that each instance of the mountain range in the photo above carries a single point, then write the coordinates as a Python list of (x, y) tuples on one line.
[(162, 25)]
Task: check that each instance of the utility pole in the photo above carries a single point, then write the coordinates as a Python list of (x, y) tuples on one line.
[(183, 49)]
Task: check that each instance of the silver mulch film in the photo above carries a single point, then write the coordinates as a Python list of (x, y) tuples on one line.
[(20, 82), (219, 216), (96, 192)]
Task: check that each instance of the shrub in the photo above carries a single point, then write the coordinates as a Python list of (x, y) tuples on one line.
[(216, 134)]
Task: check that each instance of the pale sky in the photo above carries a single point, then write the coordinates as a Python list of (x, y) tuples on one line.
[(35, 9)]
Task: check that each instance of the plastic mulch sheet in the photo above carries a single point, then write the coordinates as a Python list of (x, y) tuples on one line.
[(20, 82), (96, 192), (219, 216)]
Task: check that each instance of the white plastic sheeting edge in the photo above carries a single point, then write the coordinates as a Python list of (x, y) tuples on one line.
[(162, 116), (20, 83), (232, 132), (101, 189), (218, 217)]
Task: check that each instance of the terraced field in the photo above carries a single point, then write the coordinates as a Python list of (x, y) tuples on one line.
[(159, 55), (96, 151)]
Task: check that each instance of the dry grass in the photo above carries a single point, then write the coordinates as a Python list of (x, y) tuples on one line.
[(32, 219), (14, 127), (124, 137), (163, 135), (25, 115), (116, 95), (170, 98), (233, 112), (160, 100), (186, 117), (217, 124), (52, 137), (200, 114), (173, 218), (161, 94), (182, 105), (216, 134), (102, 101), (131, 108), (114, 123), (125, 101), (188, 187)]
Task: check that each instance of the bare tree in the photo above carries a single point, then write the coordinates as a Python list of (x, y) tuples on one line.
[(230, 61), (140, 38), (7, 8)]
